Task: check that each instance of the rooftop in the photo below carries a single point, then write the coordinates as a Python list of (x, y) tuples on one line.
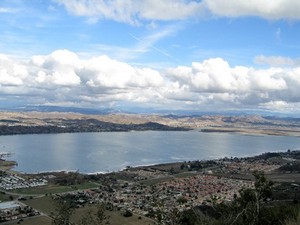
[(8, 205)]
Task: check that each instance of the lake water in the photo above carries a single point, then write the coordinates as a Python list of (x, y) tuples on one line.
[(112, 151)]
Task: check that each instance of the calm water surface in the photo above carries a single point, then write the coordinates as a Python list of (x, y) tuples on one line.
[(103, 152)]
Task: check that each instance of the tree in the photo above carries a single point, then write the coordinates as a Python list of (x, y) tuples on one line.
[(173, 217), (250, 207), (182, 166), (101, 217), (247, 208), (63, 212), (97, 217), (88, 218), (127, 213), (263, 186)]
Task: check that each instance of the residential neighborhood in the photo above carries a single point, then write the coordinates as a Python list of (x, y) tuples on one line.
[(12, 181), (145, 190)]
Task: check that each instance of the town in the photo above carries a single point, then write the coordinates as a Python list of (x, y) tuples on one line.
[(147, 190)]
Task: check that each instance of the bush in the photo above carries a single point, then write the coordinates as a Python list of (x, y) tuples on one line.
[(127, 213)]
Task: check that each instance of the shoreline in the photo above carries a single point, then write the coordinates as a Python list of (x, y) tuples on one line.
[(159, 166), (238, 130), (252, 131), (7, 165), (6, 130)]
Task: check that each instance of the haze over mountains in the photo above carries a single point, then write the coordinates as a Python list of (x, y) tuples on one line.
[(143, 110)]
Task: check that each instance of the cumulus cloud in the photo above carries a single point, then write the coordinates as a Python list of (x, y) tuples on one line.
[(216, 75), (133, 12), (105, 72), (58, 68), (11, 73), (216, 81), (63, 78)]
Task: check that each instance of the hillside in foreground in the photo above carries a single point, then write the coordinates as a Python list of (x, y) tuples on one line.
[(209, 192)]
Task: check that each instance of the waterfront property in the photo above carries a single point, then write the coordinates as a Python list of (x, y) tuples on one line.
[(10, 182)]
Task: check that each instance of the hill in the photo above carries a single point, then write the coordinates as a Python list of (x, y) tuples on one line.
[(58, 122)]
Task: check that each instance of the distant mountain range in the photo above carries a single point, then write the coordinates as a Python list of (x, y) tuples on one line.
[(51, 120), (170, 113)]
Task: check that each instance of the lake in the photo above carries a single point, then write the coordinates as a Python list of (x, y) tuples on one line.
[(112, 151)]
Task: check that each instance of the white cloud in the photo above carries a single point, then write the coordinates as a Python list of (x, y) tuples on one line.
[(105, 72), (134, 12), (275, 9), (216, 81), (276, 61), (63, 76), (58, 68), (169, 10), (281, 106), (267, 80), (8, 10), (130, 11), (212, 75), (177, 92), (11, 73), (215, 75)]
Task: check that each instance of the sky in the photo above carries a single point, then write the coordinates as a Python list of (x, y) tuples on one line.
[(133, 55)]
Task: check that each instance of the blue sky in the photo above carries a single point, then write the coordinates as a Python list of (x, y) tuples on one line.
[(209, 55)]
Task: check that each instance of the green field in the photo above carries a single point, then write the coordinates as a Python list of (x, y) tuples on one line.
[(40, 220), (46, 205), (115, 218), (5, 197), (52, 189), (155, 181), (43, 204)]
